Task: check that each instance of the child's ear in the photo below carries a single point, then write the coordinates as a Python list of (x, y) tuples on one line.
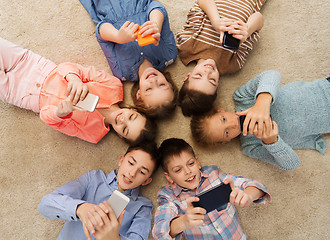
[(186, 78), (138, 94), (198, 163), (168, 178), (120, 160), (146, 182)]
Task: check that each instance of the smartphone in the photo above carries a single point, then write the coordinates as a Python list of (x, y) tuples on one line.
[(143, 41), (230, 42), (241, 121), (89, 103), (214, 198), (118, 201)]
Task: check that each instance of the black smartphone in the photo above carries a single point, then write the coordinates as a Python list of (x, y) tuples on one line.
[(214, 198), (241, 121), (230, 42)]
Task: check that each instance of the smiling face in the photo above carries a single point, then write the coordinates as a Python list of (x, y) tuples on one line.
[(128, 123), (184, 170), (135, 169), (154, 89), (223, 126), (204, 77)]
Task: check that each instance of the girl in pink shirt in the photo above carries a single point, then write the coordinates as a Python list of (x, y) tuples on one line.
[(30, 81)]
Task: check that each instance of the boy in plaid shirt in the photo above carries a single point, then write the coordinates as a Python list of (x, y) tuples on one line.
[(176, 217)]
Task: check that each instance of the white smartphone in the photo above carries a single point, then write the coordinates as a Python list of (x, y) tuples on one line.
[(89, 103), (118, 201)]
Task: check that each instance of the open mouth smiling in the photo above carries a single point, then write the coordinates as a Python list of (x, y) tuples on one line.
[(191, 179)]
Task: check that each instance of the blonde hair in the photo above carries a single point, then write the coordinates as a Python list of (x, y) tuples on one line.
[(200, 130)]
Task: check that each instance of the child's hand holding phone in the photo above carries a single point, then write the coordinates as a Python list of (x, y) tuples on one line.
[(76, 89), (194, 216), (257, 116), (109, 229), (148, 33)]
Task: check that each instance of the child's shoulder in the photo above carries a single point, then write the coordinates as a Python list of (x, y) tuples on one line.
[(209, 169)]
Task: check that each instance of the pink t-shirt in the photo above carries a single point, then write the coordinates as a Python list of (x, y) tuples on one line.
[(88, 126)]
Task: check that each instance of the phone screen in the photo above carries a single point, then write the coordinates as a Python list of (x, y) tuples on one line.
[(230, 42), (214, 198), (118, 201)]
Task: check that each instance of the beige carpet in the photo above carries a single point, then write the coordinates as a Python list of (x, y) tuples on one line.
[(35, 159)]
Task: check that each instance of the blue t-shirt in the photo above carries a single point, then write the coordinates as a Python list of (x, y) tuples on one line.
[(95, 187), (125, 59)]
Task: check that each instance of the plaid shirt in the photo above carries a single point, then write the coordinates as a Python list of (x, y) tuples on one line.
[(217, 224)]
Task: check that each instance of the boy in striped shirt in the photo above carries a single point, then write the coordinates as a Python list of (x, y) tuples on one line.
[(176, 217)]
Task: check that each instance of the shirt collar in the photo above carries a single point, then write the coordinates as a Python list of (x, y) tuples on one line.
[(177, 190), (112, 180)]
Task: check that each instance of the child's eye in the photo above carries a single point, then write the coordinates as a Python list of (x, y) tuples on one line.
[(130, 162), (227, 133), (224, 119), (177, 170), (130, 116), (162, 84), (142, 173), (148, 89)]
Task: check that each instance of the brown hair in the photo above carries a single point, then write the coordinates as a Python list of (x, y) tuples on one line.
[(162, 111), (199, 128), (194, 102), (172, 147), (149, 147)]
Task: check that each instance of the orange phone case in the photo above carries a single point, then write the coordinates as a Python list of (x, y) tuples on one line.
[(142, 41)]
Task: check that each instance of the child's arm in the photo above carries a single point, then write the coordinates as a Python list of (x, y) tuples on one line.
[(105, 222), (279, 153), (262, 90), (245, 191), (258, 116), (153, 26), (243, 198), (125, 34), (239, 29), (192, 218)]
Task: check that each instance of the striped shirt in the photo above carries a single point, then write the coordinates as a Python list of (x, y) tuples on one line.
[(221, 224), (199, 39)]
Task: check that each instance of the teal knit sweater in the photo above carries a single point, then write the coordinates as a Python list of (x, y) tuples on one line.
[(301, 111)]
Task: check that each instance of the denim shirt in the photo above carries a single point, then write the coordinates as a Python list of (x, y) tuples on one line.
[(95, 187), (125, 59)]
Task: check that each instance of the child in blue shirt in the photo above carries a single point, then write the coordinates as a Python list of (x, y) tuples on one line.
[(278, 118), (117, 23), (82, 202)]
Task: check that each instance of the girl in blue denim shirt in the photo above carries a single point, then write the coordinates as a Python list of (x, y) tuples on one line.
[(116, 31)]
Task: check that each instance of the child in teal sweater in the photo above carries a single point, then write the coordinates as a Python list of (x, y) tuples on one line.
[(278, 118)]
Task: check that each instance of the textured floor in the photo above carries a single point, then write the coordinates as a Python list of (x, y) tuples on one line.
[(35, 159)]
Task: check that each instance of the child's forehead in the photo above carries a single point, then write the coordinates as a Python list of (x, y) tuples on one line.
[(184, 155)]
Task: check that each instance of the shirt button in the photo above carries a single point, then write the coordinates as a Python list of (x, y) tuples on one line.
[(142, 53), (38, 84), (57, 216)]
